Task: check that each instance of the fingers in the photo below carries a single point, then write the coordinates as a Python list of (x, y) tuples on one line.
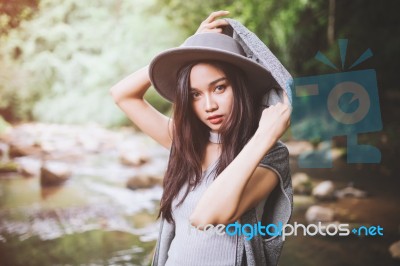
[(215, 15), (287, 102), (212, 24), (204, 29), (217, 30), (217, 23), (286, 99), (280, 109)]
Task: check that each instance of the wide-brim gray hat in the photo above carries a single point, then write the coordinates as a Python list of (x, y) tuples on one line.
[(164, 68)]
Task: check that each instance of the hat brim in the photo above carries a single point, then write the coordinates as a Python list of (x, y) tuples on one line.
[(164, 68)]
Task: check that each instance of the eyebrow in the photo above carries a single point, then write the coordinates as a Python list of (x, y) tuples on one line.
[(212, 82)]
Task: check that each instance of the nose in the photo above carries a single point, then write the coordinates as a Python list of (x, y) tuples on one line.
[(210, 104)]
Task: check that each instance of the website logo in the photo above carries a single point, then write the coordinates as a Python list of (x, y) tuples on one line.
[(249, 231), (344, 103)]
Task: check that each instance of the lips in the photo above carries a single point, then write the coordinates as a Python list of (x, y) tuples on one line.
[(215, 119)]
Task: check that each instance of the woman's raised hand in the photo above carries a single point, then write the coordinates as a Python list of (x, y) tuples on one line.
[(276, 119), (213, 23)]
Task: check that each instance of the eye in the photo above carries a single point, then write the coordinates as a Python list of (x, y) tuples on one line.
[(195, 94), (220, 88)]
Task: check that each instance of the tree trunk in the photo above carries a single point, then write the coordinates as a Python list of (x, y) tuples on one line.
[(331, 23)]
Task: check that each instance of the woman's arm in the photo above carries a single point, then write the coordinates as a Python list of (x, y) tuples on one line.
[(128, 95), (242, 184)]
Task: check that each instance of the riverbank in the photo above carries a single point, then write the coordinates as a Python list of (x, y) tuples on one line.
[(105, 211), (90, 218)]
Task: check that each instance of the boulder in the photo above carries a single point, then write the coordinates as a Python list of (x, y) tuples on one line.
[(144, 181), (394, 250), (133, 159), (29, 166), (324, 190), (319, 214), (350, 192), (302, 184), (18, 150), (298, 147), (90, 141), (8, 167), (54, 173)]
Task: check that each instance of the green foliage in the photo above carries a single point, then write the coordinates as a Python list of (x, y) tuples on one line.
[(61, 64), (58, 65), (295, 30), (13, 12), (4, 126), (274, 22)]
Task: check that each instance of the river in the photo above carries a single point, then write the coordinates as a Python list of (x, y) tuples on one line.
[(92, 218)]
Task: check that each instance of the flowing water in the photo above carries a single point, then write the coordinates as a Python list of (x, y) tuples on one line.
[(83, 222), (91, 219)]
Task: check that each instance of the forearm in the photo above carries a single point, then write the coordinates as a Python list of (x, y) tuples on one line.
[(220, 201), (133, 86)]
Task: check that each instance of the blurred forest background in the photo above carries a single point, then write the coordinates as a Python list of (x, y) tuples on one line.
[(58, 60), (64, 55)]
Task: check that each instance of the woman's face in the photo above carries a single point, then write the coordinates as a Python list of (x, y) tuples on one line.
[(211, 95)]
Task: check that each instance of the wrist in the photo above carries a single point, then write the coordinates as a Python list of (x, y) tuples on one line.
[(264, 139)]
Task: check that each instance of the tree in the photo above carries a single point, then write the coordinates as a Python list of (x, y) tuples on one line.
[(13, 12), (63, 61)]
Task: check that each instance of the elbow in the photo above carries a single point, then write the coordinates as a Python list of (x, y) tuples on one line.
[(114, 95), (200, 221), (119, 94)]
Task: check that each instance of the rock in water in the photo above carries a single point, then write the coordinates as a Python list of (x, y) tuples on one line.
[(133, 159), (29, 166), (324, 191), (319, 214), (19, 150), (350, 192), (8, 167), (54, 173), (144, 181), (394, 250), (301, 184)]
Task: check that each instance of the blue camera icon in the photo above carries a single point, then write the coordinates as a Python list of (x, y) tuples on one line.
[(330, 105)]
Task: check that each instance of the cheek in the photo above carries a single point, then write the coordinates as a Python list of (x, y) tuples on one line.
[(229, 101), (196, 109)]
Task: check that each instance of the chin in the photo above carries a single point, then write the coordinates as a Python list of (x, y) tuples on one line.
[(216, 129)]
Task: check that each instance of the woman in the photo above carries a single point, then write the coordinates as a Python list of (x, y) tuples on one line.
[(217, 138)]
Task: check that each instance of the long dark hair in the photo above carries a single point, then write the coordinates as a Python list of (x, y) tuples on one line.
[(190, 135)]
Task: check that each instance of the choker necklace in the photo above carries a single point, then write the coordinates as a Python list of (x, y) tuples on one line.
[(215, 138)]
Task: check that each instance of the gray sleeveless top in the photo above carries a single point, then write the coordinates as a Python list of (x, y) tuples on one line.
[(278, 207), (191, 246)]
